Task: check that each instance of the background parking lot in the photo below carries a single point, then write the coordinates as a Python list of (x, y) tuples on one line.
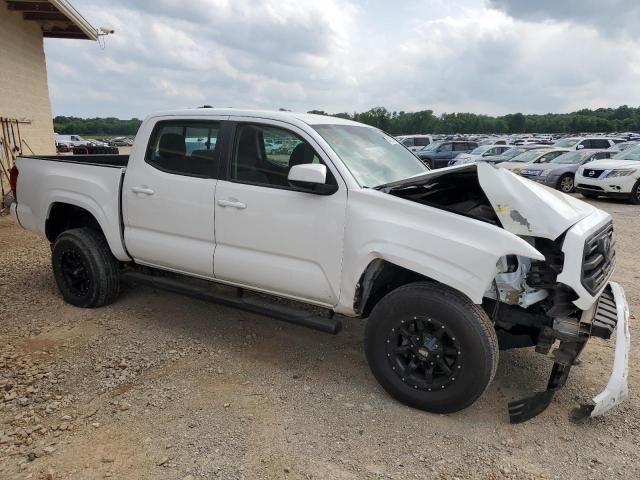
[(164, 386)]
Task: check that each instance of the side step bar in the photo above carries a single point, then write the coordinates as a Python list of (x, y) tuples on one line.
[(254, 305)]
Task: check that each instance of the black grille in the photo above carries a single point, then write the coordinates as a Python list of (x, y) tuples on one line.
[(606, 317), (590, 187), (591, 173), (599, 258)]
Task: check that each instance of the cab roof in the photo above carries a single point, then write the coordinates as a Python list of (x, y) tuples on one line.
[(308, 118)]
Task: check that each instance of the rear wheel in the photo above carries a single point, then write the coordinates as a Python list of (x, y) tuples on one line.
[(634, 196), (85, 270), (431, 348), (565, 184)]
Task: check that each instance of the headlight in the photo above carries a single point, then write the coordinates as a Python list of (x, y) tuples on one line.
[(622, 172)]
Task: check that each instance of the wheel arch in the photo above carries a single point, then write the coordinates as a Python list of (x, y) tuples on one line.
[(64, 215), (378, 279)]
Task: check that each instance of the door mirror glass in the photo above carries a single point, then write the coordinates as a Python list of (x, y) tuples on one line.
[(311, 178), (580, 147)]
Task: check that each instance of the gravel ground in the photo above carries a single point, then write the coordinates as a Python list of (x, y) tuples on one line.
[(163, 386)]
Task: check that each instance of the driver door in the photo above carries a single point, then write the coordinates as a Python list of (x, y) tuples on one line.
[(269, 236)]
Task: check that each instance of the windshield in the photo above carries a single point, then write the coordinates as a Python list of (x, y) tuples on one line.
[(528, 156), (512, 152), (566, 143), (572, 157), (371, 156), (432, 146), (480, 150), (629, 154)]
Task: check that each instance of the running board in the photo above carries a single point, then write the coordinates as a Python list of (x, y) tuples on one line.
[(250, 304)]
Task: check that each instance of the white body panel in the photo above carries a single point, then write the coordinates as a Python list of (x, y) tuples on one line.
[(617, 389), (614, 185), (95, 188), (279, 240), (425, 240), (168, 218)]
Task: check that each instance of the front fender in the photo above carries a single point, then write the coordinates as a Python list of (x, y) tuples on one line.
[(457, 251)]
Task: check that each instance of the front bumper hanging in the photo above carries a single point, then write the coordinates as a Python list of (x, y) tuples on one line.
[(610, 315), (617, 389)]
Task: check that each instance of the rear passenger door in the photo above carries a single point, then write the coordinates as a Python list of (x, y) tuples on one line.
[(168, 196)]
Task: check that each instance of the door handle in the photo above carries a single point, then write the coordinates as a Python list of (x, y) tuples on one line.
[(232, 203), (142, 190)]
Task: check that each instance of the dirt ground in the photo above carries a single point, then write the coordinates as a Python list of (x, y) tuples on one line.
[(160, 386)]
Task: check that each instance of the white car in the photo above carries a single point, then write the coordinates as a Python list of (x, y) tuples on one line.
[(578, 143), (479, 153), (617, 177), (415, 143), (448, 266)]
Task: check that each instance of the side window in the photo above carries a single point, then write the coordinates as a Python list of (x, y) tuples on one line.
[(586, 144), (600, 156), (184, 147), (445, 147), (600, 143), (421, 141), (460, 147), (264, 155)]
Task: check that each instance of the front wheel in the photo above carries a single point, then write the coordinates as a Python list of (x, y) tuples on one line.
[(85, 270), (634, 196), (431, 348), (566, 184)]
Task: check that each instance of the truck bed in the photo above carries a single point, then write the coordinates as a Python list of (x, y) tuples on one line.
[(115, 161)]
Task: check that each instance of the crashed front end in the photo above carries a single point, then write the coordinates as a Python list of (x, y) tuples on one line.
[(560, 301)]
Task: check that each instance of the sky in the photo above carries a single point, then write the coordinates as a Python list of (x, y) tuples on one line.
[(482, 56)]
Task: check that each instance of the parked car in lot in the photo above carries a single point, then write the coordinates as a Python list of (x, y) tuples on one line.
[(620, 147), (512, 152), (415, 142), (494, 141), (531, 157), (578, 143), (121, 142), (480, 153), (560, 172), (438, 154), (449, 266), (618, 177)]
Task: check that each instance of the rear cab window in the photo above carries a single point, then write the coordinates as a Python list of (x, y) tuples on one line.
[(184, 147)]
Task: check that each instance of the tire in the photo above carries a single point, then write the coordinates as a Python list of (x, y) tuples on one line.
[(87, 273), (589, 195), (428, 162), (566, 183), (634, 196), (467, 344)]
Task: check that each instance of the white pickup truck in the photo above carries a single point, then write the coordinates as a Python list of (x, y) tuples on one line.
[(447, 266)]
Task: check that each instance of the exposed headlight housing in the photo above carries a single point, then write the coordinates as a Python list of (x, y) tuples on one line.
[(621, 172)]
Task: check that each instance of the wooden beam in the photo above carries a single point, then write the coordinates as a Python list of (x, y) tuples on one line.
[(31, 6), (46, 16), (73, 35)]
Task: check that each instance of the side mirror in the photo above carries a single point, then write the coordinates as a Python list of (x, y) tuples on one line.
[(310, 178), (580, 147)]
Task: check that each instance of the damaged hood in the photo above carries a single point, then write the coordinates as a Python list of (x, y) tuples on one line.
[(522, 206)]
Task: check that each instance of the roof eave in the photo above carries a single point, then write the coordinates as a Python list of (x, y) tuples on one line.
[(74, 16)]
